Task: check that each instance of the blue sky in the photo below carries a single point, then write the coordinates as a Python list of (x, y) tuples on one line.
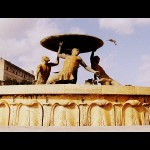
[(128, 62)]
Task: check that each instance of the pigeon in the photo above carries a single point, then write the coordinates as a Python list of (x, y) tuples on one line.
[(111, 40)]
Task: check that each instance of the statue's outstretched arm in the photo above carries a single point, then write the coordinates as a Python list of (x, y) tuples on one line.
[(88, 68), (92, 55), (58, 53), (92, 62)]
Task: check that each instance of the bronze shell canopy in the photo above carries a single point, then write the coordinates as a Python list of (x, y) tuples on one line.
[(84, 43)]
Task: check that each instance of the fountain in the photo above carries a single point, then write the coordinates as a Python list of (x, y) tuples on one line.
[(73, 104)]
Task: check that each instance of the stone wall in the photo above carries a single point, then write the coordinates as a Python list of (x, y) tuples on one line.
[(74, 105), (1, 69), (11, 71)]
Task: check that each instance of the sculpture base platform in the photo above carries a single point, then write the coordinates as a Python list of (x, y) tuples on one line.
[(74, 105), (77, 129)]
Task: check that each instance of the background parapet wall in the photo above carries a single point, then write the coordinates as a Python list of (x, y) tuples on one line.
[(74, 105)]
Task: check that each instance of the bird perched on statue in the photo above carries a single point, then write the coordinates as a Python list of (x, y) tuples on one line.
[(111, 40)]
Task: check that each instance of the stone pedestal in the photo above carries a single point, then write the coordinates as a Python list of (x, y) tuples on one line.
[(74, 105)]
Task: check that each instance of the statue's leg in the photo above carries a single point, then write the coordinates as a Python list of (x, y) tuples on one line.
[(53, 79), (105, 81), (38, 82), (113, 82)]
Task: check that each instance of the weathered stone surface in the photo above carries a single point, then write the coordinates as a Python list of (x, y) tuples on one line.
[(73, 89), (77, 129), (74, 105)]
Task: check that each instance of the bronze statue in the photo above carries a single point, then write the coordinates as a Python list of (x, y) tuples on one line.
[(68, 73), (43, 70), (91, 82), (104, 79)]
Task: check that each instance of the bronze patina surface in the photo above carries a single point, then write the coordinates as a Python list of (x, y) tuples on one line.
[(84, 43)]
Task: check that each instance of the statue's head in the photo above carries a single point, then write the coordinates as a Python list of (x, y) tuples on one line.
[(75, 51), (45, 58), (96, 59)]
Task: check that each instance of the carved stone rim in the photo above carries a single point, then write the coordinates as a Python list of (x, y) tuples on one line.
[(73, 89)]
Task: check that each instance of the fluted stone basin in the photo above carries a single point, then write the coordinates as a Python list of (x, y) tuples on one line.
[(85, 43)]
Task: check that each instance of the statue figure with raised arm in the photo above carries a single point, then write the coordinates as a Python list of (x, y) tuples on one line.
[(43, 70), (68, 73), (104, 79)]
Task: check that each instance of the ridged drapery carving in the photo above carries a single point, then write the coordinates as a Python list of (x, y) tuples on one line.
[(4, 113), (55, 112)]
